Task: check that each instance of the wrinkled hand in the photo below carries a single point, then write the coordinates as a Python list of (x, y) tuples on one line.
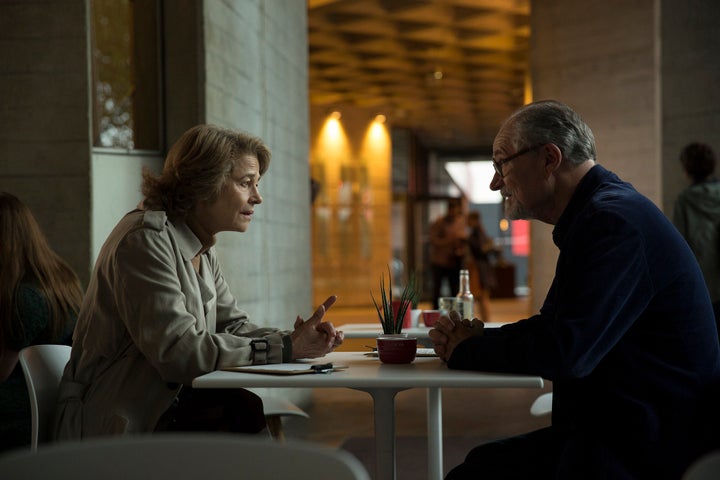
[(450, 331), (314, 338)]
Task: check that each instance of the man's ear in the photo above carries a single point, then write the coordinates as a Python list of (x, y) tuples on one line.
[(552, 156)]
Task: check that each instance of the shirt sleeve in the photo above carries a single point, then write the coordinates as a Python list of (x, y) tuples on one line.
[(151, 301), (601, 287)]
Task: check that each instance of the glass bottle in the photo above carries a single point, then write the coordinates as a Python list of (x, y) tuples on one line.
[(464, 296)]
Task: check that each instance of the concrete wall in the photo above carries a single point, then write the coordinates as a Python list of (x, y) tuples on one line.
[(600, 58), (45, 120), (690, 69), (644, 75), (256, 80)]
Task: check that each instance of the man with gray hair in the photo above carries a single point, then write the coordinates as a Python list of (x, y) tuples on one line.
[(626, 333)]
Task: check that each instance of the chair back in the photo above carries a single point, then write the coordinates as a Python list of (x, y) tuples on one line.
[(542, 405), (705, 468), (179, 456), (43, 367)]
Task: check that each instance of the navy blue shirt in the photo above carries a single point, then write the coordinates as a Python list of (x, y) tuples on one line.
[(626, 334)]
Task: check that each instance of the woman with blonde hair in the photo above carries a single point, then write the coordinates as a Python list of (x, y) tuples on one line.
[(158, 311), (39, 299)]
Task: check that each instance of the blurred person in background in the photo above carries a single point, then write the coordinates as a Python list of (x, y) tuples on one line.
[(39, 299), (447, 249), (697, 213), (481, 248)]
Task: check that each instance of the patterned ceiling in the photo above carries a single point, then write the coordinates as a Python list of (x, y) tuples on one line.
[(450, 70)]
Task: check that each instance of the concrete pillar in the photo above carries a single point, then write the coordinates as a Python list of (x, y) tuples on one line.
[(690, 86), (45, 120), (645, 77)]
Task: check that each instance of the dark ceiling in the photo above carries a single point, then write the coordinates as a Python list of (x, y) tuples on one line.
[(449, 70)]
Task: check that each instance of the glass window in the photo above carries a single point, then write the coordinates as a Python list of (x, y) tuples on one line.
[(126, 74)]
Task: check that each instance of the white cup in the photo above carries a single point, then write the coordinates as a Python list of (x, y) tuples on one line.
[(415, 317)]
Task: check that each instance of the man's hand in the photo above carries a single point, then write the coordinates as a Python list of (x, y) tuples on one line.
[(450, 331), (314, 338)]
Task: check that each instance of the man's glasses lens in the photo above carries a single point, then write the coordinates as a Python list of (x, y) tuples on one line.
[(498, 165)]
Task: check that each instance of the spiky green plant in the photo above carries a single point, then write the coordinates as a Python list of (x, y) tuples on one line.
[(390, 322)]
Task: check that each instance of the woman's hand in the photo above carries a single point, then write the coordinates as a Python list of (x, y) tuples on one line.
[(450, 331), (313, 337)]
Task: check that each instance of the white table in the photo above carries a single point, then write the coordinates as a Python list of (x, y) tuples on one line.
[(382, 382), (372, 330)]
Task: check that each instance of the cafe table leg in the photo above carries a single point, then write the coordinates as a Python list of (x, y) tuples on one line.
[(434, 429), (384, 414)]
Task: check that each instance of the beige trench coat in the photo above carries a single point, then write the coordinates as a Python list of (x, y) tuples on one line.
[(150, 323)]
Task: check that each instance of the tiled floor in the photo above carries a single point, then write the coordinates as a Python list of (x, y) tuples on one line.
[(338, 414)]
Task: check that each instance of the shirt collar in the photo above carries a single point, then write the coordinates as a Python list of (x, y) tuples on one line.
[(188, 243), (582, 194)]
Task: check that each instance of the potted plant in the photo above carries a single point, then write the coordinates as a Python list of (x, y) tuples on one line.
[(391, 317), (394, 346)]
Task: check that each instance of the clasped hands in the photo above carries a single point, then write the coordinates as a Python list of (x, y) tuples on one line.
[(314, 338), (450, 330)]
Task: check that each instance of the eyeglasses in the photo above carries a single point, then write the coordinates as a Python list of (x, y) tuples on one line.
[(498, 165)]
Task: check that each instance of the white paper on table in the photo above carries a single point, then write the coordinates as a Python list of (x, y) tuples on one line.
[(285, 368)]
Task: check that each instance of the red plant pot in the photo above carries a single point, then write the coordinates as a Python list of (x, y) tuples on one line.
[(396, 348)]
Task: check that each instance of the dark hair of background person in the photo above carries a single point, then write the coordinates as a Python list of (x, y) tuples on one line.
[(698, 160), (196, 168), (25, 255)]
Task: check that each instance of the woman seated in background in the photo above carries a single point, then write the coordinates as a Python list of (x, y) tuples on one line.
[(158, 312), (39, 299)]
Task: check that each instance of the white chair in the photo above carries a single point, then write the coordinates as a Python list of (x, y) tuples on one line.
[(542, 405), (705, 468), (43, 367), (181, 456), (275, 409)]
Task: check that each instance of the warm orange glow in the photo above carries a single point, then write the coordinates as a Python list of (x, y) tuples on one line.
[(376, 146), (504, 224), (332, 137), (351, 159), (331, 150), (378, 133), (527, 91)]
